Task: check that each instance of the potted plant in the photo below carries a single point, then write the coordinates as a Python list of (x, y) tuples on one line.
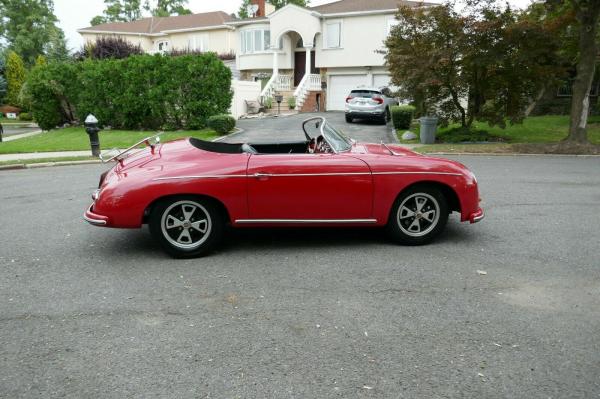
[(291, 102)]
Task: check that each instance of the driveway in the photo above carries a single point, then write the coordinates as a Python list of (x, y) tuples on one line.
[(289, 128), (12, 130), (87, 312)]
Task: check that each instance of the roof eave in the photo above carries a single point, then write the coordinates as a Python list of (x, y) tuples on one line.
[(200, 28)]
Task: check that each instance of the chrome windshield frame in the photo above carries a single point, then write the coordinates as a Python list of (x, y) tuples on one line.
[(322, 133)]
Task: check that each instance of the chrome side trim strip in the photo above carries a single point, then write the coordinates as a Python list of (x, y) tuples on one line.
[(418, 173), (198, 177), (304, 221), (304, 175)]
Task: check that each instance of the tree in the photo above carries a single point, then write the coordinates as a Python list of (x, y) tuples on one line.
[(588, 14), (282, 3), (165, 8), (15, 75), (29, 27), (243, 11), (119, 11), (483, 64)]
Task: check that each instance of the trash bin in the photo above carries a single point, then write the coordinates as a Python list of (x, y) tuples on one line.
[(428, 129)]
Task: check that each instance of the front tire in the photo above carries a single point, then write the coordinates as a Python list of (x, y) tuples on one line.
[(349, 119), (418, 216), (186, 226)]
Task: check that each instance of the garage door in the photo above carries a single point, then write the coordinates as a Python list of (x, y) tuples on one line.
[(339, 88), (381, 80)]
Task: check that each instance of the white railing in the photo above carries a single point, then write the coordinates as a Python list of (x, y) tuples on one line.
[(277, 82), (308, 83)]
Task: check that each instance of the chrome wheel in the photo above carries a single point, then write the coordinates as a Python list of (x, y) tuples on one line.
[(186, 224), (418, 214)]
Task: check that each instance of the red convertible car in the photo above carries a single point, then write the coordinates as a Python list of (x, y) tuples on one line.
[(188, 190)]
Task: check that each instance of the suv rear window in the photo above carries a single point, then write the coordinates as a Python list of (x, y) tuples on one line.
[(364, 93)]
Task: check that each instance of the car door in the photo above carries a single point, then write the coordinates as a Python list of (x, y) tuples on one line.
[(309, 187)]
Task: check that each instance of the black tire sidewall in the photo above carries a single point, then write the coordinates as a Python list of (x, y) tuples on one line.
[(215, 235), (399, 236)]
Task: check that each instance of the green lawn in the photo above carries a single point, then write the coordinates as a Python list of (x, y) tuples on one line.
[(45, 160), (537, 129), (75, 139)]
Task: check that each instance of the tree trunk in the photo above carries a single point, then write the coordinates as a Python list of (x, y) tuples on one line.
[(531, 106), (587, 14), (456, 101)]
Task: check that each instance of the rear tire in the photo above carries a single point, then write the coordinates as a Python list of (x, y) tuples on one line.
[(349, 119), (418, 216), (386, 117), (186, 226)]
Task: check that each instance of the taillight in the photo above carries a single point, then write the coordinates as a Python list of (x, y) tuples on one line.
[(378, 100), (349, 98)]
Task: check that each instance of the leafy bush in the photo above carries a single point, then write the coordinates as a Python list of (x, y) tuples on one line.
[(268, 103), (138, 92), (402, 116), (291, 102), (51, 91), (221, 123), (106, 47), (25, 116)]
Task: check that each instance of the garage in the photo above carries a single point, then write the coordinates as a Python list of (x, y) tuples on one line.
[(381, 80), (339, 87)]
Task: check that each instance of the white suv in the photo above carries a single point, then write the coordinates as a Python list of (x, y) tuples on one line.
[(369, 103)]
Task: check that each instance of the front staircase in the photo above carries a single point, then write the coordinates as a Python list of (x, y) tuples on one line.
[(283, 85)]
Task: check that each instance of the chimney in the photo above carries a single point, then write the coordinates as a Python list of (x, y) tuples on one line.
[(261, 8)]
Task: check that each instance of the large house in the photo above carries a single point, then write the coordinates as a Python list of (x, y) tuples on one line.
[(201, 32), (315, 54)]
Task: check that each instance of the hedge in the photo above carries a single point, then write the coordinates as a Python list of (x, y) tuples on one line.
[(402, 116), (221, 123), (138, 92)]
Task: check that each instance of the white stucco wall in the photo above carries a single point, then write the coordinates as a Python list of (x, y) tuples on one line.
[(218, 40), (294, 19), (360, 38), (144, 41), (242, 91)]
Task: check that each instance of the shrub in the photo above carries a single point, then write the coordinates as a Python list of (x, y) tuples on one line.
[(106, 47), (15, 75), (402, 116), (461, 134), (221, 124), (291, 102), (138, 92), (268, 103), (51, 91), (25, 116)]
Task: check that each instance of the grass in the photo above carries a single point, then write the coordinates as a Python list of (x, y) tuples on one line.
[(44, 160), (537, 134), (76, 139)]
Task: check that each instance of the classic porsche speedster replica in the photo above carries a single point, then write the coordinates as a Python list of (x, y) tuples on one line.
[(188, 190)]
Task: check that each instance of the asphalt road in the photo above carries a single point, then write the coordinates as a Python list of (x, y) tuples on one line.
[(11, 130), (87, 312)]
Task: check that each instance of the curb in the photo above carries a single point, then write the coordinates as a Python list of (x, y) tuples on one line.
[(17, 166), (510, 154)]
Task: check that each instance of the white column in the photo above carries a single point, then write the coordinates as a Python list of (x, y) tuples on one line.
[(275, 62), (308, 63)]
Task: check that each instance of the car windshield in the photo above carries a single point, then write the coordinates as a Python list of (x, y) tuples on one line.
[(336, 139), (364, 93)]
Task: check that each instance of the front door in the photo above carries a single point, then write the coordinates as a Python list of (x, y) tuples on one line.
[(300, 66), (309, 187)]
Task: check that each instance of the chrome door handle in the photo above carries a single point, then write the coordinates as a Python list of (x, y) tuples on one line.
[(261, 176)]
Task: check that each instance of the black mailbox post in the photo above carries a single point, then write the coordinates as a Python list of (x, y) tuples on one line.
[(279, 99), (92, 129)]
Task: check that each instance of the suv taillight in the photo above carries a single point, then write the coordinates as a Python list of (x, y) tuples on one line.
[(349, 98), (378, 100)]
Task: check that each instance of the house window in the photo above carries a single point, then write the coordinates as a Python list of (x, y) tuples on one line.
[(333, 32), (198, 42), (565, 89), (256, 40), (163, 46)]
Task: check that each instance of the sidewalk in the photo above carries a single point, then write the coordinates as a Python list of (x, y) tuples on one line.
[(43, 155)]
